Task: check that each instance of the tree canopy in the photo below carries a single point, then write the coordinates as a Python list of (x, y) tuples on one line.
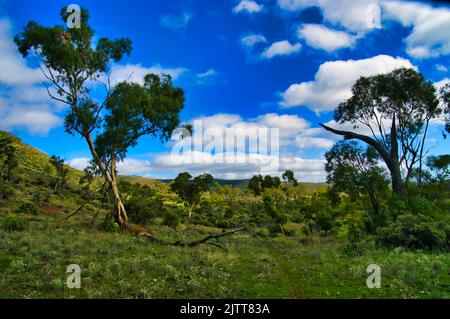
[(190, 190), (396, 108)]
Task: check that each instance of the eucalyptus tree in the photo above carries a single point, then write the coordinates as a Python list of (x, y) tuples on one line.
[(72, 66), (190, 190), (445, 98), (396, 109), (61, 172), (8, 158), (288, 176)]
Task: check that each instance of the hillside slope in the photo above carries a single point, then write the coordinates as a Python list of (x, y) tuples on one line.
[(34, 163)]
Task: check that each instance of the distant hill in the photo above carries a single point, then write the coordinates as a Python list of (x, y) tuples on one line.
[(242, 183)]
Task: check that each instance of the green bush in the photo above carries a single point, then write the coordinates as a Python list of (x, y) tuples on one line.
[(41, 197), (6, 191), (142, 211), (353, 250), (5, 261), (13, 223), (416, 232), (171, 219), (109, 226), (28, 208), (262, 232)]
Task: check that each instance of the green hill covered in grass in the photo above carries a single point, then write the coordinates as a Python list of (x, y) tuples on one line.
[(34, 163)]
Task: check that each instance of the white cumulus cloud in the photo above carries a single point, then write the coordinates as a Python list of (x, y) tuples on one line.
[(24, 102), (429, 36), (247, 6), (250, 40), (126, 167), (333, 82), (137, 72), (321, 37), (281, 48)]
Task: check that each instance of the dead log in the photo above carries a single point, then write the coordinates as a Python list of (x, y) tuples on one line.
[(193, 243), (76, 212)]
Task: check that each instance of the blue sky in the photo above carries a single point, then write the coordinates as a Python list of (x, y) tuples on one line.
[(280, 64)]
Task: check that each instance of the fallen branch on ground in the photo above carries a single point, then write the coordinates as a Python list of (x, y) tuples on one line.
[(193, 243), (76, 212)]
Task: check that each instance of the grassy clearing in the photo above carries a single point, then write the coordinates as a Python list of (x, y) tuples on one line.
[(33, 264)]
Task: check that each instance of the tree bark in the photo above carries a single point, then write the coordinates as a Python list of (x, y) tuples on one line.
[(120, 214), (390, 158)]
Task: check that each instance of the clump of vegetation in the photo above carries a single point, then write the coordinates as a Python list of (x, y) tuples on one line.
[(417, 231), (6, 191), (28, 208), (61, 173), (109, 226), (258, 183), (144, 205), (8, 159), (13, 223), (171, 219), (42, 197), (5, 261), (190, 191)]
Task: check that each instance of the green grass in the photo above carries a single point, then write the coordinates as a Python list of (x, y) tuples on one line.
[(33, 265)]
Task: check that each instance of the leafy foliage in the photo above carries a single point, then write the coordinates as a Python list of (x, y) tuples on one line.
[(416, 231), (144, 205), (258, 183), (355, 170), (8, 159), (190, 191), (289, 177), (28, 208), (61, 173), (13, 223)]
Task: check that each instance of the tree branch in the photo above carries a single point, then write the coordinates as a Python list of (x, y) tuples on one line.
[(348, 135), (193, 243)]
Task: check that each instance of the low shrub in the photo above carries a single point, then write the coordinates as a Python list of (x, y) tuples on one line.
[(262, 232), (41, 197), (28, 208), (13, 223), (171, 220), (109, 226), (416, 232), (5, 261), (6, 191), (142, 211)]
